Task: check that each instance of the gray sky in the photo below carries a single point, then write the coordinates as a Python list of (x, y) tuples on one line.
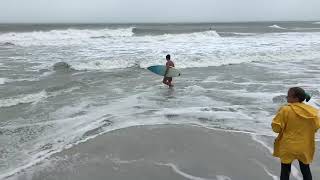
[(157, 10)]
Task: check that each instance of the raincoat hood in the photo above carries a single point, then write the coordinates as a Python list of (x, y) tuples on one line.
[(304, 111)]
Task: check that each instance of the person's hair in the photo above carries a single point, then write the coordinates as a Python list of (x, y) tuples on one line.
[(300, 94), (168, 56)]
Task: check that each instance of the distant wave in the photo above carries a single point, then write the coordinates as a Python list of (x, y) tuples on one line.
[(305, 29), (235, 34), (98, 37), (61, 37), (197, 49), (276, 27), (210, 33), (206, 49), (163, 31), (194, 35), (81, 36), (316, 23)]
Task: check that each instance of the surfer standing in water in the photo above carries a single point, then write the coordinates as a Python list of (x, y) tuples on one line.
[(169, 64)]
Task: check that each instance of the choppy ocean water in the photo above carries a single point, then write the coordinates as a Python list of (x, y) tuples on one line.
[(61, 84)]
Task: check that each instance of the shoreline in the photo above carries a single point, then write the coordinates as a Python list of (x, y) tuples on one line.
[(165, 152), (160, 151)]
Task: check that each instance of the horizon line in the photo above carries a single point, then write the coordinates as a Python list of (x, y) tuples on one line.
[(147, 22)]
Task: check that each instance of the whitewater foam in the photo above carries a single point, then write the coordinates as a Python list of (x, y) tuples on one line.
[(185, 175), (69, 111), (194, 89), (106, 64), (23, 99), (61, 37), (3, 80), (264, 167), (195, 35), (199, 49), (236, 34)]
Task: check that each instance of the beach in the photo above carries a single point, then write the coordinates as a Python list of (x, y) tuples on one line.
[(78, 102), (165, 152)]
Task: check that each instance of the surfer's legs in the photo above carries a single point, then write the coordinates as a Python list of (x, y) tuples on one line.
[(285, 171), (305, 170), (167, 81)]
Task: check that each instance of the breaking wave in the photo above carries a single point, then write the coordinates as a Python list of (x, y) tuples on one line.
[(57, 37), (236, 34), (277, 27), (143, 31)]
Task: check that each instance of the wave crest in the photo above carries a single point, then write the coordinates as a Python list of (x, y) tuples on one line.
[(195, 35), (144, 31), (61, 37), (276, 27)]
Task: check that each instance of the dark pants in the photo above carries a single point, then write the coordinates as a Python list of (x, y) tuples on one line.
[(286, 169), (167, 81)]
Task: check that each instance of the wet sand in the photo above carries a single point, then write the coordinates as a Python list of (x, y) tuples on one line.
[(164, 152)]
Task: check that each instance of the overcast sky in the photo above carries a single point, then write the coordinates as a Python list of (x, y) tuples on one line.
[(157, 10)]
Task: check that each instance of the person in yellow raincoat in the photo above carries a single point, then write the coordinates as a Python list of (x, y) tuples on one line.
[(296, 124)]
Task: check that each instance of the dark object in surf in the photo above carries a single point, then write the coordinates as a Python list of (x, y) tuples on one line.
[(62, 66)]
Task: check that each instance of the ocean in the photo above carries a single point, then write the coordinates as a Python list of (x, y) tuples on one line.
[(61, 84)]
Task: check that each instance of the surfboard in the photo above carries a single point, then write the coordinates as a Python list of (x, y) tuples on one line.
[(161, 69)]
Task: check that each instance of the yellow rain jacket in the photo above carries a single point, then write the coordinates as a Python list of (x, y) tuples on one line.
[(296, 124)]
